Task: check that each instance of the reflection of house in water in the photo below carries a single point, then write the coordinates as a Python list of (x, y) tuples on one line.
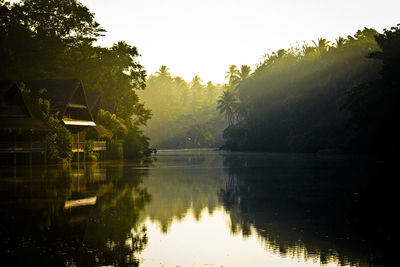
[(20, 132), (67, 100)]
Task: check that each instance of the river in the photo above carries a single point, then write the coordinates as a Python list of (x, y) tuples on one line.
[(195, 208)]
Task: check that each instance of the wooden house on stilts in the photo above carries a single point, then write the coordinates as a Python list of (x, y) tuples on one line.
[(67, 100), (20, 132)]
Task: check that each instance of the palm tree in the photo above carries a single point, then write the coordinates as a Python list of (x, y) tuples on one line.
[(340, 42), (163, 71), (196, 82), (232, 74), (241, 111), (307, 49), (322, 45), (244, 73), (227, 104)]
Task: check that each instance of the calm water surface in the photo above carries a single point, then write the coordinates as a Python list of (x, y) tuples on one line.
[(195, 208)]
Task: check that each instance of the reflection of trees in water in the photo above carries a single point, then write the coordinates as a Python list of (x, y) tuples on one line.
[(182, 185), (305, 206), (35, 227), (230, 197)]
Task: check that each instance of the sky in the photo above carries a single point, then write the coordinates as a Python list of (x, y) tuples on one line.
[(204, 37)]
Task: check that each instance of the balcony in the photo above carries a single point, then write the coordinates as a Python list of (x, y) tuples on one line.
[(97, 146), (22, 146)]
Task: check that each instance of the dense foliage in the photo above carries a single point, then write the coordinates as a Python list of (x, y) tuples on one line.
[(184, 113), (295, 99), (48, 39), (374, 104), (58, 138)]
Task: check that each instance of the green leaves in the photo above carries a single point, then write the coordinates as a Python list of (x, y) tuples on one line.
[(110, 121), (58, 138), (53, 39), (68, 20), (228, 105), (290, 101)]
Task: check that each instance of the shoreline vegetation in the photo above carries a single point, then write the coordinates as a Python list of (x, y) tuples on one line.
[(324, 97), (42, 40)]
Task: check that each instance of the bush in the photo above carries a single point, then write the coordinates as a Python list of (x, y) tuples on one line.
[(115, 150)]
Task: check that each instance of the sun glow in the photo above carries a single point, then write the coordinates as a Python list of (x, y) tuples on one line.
[(205, 37)]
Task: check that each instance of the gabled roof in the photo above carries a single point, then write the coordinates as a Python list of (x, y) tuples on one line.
[(110, 106), (11, 101), (14, 114), (93, 98), (5, 85), (59, 92), (67, 98)]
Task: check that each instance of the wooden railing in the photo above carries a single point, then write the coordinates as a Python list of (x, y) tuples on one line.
[(98, 146), (22, 146)]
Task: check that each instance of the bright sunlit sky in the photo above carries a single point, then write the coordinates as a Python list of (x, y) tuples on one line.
[(204, 37)]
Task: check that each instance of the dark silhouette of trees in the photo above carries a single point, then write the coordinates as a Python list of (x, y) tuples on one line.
[(244, 73), (232, 75), (374, 104), (293, 101), (48, 39), (227, 105)]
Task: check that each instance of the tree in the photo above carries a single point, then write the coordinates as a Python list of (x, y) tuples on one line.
[(322, 45), (232, 75), (244, 73), (374, 105), (340, 42), (180, 108), (163, 71), (291, 101), (53, 39), (58, 139), (68, 20), (227, 105)]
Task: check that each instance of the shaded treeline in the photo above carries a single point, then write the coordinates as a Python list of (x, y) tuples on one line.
[(184, 113), (301, 99), (46, 39), (37, 228), (334, 209), (374, 105)]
